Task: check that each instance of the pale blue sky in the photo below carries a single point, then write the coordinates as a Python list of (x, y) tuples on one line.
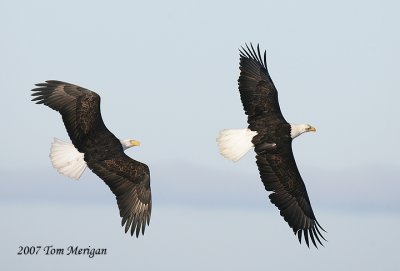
[(167, 74)]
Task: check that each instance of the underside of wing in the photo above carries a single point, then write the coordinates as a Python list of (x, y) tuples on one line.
[(279, 173), (257, 91), (129, 180), (79, 107)]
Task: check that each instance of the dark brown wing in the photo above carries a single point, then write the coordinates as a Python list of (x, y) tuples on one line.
[(257, 91), (79, 107), (279, 173), (129, 180)]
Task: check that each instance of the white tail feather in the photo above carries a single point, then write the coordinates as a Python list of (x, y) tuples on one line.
[(67, 159), (235, 143)]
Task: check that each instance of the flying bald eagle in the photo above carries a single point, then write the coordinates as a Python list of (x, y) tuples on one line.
[(94, 146), (271, 136)]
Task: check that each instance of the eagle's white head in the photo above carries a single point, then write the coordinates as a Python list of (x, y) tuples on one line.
[(127, 143), (298, 129)]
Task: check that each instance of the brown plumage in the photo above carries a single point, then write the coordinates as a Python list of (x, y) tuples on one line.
[(273, 145), (127, 178)]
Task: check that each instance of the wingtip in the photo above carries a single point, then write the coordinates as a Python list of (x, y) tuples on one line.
[(135, 227), (310, 234), (320, 226), (254, 53)]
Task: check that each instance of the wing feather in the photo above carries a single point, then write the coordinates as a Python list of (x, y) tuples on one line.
[(129, 180), (257, 91), (79, 107), (289, 192)]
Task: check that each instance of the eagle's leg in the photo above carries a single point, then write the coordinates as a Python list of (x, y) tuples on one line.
[(266, 146)]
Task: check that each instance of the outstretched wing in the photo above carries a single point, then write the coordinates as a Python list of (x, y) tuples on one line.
[(129, 180), (279, 173), (257, 91), (79, 107)]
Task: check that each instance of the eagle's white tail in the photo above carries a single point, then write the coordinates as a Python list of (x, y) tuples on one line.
[(67, 159), (235, 143)]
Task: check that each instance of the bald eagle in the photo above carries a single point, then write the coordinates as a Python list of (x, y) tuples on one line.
[(94, 146), (271, 137)]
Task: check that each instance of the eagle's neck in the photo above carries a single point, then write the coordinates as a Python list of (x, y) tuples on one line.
[(297, 129), (126, 143)]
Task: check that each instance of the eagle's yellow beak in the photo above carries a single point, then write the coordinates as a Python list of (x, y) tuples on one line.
[(312, 129), (135, 143)]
